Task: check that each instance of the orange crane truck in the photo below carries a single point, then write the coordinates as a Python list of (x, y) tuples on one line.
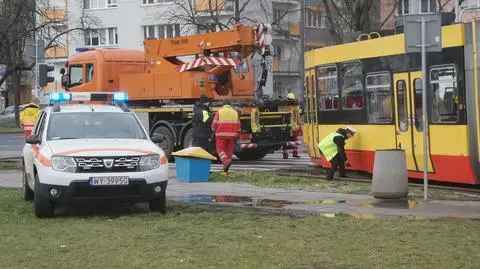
[(163, 86)]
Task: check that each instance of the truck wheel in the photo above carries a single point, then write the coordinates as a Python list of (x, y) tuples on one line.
[(28, 194), (251, 155), (43, 206), (167, 144), (188, 139), (159, 204)]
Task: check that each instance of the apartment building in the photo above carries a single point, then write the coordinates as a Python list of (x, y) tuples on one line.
[(392, 14)]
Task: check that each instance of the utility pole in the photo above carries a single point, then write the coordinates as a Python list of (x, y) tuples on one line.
[(302, 47)]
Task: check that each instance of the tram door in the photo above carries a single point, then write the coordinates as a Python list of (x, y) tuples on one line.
[(311, 107), (408, 118)]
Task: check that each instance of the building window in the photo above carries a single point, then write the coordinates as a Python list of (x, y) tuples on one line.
[(93, 4), (101, 37), (379, 98), (153, 2), (352, 90), (446, 97), (315, 19), (427, 6), (161, 31), (403, 7), (327, 86)]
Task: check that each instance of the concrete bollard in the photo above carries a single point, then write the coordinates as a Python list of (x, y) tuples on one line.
[(390, 174)]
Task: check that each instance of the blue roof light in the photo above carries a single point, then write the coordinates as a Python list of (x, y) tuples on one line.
[(60, 97), (81, 49), (120, 96)]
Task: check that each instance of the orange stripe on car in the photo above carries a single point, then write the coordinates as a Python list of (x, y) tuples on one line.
[(164, 160), (42, 159), (105, 149)]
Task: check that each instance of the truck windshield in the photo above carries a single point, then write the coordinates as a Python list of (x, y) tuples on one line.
[(76, 75), (94, 125)]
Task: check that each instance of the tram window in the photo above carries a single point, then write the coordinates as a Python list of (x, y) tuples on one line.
[(327, 86), (417, 85), (379, 98), (352, 91), (445, 94), (402, 98)]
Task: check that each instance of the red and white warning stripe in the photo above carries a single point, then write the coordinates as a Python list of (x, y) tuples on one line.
[(248, 146), (293, 143), (217, 61)]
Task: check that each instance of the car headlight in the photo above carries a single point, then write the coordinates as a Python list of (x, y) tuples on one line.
[(64, 164), (149, 162)]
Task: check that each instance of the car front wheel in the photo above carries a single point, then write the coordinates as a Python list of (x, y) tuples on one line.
[(159, 204)]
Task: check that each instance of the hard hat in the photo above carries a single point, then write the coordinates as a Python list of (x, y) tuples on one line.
[(351, 129), (291, 96)]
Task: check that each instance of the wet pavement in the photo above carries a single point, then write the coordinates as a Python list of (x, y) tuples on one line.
[(299, 202)]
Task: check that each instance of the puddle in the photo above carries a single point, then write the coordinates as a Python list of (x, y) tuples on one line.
[(247, 201), (396, 204)]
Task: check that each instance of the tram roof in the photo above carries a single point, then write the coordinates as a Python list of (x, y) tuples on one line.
[(452, 36)]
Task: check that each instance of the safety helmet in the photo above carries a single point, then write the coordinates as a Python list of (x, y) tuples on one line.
[(351, 130), (291, 96)]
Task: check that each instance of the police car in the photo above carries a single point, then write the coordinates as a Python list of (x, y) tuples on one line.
[(84, 152)]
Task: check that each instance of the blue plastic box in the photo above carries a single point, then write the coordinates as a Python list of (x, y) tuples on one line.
[(192, 169)]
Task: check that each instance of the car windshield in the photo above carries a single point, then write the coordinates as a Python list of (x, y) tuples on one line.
[(94, 125)]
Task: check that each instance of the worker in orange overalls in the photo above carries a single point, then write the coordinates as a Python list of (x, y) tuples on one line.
[(297, 131), (29, 116), (225, 127)]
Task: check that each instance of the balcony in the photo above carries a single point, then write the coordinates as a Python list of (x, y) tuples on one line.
[(286, 67), (59, 51), (55, 16), (218, 7)]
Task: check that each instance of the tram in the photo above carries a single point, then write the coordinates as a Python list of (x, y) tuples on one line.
[(376, 87)]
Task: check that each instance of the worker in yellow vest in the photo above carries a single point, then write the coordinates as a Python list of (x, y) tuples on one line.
[(29, 116), (201, 124), (333, 148)]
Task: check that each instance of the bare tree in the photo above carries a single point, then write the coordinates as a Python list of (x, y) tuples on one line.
[(219, 15), (21, 20), (346, 16)]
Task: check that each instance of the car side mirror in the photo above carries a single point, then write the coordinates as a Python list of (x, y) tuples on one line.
[(33, 140), (157, 139)]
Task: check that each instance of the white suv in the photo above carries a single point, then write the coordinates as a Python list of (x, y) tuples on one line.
[(80, 152)]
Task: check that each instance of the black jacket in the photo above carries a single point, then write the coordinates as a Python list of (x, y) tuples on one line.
[(340, 142), (200, 128)]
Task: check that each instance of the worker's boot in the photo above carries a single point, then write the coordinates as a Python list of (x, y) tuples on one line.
[(226, 167), (295, 154), (285, 155)]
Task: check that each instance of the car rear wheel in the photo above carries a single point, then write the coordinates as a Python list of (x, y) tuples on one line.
[(43, 207), (159, 204), (28, 194)]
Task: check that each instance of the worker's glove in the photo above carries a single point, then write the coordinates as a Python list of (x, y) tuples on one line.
[(347, 164)]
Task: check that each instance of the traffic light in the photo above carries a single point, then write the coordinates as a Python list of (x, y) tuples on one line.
[(43, 78)]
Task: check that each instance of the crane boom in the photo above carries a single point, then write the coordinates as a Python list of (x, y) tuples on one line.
[(243, 39)]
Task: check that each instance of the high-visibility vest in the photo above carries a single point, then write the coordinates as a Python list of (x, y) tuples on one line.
[(328, 147), (205, 116), (30, 115), (226, 122)]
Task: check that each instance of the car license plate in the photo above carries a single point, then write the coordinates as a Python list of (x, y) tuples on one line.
[(108, 181)]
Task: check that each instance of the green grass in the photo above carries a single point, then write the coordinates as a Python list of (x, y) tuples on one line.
[(10, 165), (269, 179), (192, 236), (10, 130)]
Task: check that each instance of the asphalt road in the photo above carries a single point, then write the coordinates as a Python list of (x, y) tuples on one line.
[(11, 145)]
